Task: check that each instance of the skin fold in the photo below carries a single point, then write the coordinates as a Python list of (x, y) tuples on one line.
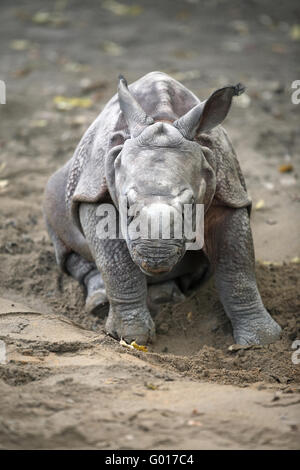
[(158, 147)]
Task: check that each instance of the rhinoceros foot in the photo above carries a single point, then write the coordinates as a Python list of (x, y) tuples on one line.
[(97, 303), (137, 326), (260, 329)]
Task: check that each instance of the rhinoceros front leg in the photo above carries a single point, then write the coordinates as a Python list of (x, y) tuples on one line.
[(125, 284), (236, 283)]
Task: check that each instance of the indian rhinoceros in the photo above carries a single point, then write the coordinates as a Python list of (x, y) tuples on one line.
[(155, 142)]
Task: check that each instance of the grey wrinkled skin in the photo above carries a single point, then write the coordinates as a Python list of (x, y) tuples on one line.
[(155, 144)]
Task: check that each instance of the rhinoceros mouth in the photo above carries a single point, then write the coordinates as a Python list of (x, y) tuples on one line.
[(153, 271), (156, 259)]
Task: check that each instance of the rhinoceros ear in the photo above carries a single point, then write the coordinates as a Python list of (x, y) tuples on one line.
[(208, 114), (135, 116)]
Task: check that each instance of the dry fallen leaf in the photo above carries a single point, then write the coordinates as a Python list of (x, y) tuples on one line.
[(285, 168), (259, 205), (39, 123), (19, 44), (139, 347), (151, 386), (240, 27), (133, 345), (189, 316), (192, 422), (3, 185), (268, 263), (41, 17), (109, 381), (76, 67), (126, 345), (122, 10), (238, 347), (46, 17), (64, 103), (112, 48), (295, 32)]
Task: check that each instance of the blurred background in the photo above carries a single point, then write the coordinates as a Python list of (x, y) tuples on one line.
[(60, 61)]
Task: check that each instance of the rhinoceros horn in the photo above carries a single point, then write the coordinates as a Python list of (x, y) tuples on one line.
[(135, 116), (208, 114)]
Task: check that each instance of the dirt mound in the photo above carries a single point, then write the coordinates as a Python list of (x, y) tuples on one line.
[(193, 337), (65, 386), (199, 332)]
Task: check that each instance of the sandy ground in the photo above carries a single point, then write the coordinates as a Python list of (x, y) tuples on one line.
[(65, 383)]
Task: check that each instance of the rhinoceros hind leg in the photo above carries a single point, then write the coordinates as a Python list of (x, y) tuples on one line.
[(96, 300), (162, 293), (88, 275)]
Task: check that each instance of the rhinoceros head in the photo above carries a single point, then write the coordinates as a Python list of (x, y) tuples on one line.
[(160, 169)]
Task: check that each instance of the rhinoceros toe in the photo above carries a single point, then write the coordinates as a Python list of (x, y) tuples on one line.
[(136, 327)]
